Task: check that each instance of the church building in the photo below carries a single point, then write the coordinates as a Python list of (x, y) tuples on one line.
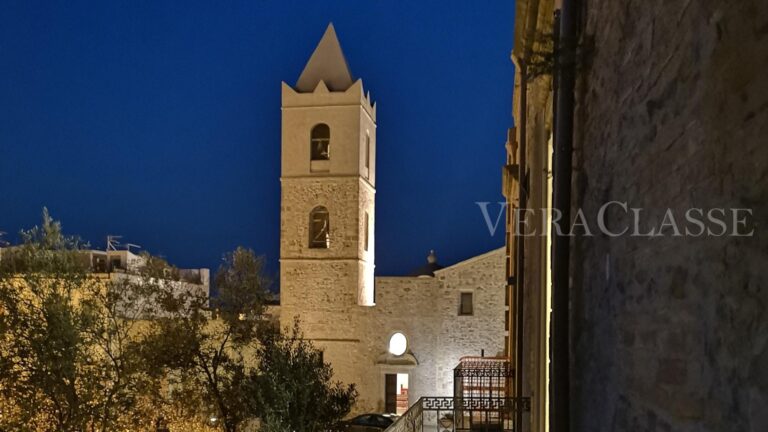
[(396, 338)]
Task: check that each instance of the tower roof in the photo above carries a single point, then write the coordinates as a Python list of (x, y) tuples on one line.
[(327, 64)]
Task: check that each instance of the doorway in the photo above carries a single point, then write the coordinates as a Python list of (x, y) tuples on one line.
[(396, 393)]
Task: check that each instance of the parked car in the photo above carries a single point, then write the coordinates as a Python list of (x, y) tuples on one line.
[(368, 423)]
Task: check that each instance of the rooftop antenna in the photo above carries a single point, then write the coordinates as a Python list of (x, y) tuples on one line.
[(128, 246), (112, 242)]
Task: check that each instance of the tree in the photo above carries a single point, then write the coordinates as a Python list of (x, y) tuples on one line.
[(67, 360), (80, 351), (200, 342), (293, 388)]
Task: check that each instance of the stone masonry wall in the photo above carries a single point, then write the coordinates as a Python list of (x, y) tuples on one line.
[(483, 331), (671, 333), (338, 195), (424, 309), (405, 305), (323, 295), (535, 289)]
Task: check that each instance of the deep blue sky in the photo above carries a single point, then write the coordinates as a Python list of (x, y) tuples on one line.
[(160, 120)]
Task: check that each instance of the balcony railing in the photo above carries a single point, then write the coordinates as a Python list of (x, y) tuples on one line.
[(483, 377), (458, 414)]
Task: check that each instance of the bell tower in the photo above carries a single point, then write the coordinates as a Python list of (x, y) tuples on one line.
[(328, 180)]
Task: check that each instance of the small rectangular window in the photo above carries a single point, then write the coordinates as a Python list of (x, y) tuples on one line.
[(465, 308), (367, 229)]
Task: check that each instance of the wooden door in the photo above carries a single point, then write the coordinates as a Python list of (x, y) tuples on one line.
[(390, 393)]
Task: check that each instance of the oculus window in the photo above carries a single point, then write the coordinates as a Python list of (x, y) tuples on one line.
[(397, 344)]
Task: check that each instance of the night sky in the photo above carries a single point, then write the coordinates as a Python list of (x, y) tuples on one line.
[(160, 121)]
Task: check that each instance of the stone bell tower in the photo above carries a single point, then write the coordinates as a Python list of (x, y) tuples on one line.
[(327, 203)]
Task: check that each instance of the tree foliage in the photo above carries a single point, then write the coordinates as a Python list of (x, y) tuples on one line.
[(84, 351), (67, 358), (201, 347), (294, 388)]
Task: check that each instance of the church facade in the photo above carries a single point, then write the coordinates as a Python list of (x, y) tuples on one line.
[(396, 338)]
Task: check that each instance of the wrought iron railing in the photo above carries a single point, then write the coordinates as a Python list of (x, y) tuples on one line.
[(456, 414), (483, 377)]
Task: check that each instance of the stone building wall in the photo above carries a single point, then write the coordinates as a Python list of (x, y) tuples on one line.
[(671, 333), (405, 305), (332, 290), (321, 292), (533, 23), (323, 287), (350, 116), (323, 295), (425, 309), (339, 195), (480, 333), (536, 285)]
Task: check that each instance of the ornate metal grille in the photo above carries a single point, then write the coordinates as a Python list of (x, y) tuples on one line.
[(483, 377), (481, 402), (457, 414)]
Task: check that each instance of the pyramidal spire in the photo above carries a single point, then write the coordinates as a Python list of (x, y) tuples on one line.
[(327, 64)]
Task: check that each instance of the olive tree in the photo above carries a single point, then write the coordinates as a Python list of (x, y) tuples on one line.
[(293, 388), (68, 361), (201, 343)]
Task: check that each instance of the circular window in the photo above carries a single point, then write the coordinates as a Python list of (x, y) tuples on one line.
[(397, 344)]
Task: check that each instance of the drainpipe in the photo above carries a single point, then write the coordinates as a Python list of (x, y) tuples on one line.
[(561, 201), (520, 241)]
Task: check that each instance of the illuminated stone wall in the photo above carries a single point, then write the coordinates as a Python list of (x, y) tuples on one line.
[(426, 311), (670, 333), (481, 333), (332, 290)]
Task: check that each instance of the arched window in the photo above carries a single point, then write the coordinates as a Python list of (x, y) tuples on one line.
[(319, 228), (320, 142)]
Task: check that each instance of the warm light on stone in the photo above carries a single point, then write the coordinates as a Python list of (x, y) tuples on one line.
[(343, 304)]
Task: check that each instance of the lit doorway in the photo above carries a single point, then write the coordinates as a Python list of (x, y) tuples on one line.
[(396, 393)]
